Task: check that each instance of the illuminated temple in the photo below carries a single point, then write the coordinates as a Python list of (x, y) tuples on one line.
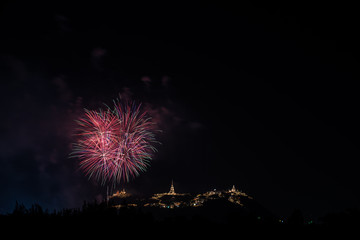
[(173, 199), (170, 193), (169, 199), (121, 194)]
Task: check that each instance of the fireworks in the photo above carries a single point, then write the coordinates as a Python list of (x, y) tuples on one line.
[(116, 144)]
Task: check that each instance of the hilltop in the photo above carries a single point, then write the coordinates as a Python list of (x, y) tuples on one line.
[(215, 205)]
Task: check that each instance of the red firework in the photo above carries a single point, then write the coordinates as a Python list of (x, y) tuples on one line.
[(115, 145)]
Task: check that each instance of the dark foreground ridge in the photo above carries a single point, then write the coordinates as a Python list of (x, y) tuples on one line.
[(217, 217)]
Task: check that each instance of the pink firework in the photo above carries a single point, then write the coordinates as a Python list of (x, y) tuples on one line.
[(115, 145)]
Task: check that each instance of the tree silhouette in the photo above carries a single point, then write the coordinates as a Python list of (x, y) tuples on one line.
[(19, 210)]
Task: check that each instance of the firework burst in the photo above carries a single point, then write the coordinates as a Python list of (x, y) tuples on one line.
[(115, 145)]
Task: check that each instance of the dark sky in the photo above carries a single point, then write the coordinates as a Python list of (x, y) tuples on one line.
[(260, 96)]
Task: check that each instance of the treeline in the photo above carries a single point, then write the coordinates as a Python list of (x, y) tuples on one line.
[(37, 211), (101, 214), (88, 209)]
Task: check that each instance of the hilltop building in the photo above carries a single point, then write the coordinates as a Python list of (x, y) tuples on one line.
[(170, 193), (122, 199), (172, 199), (169, 199), (233, 195), (121, 194), (172, 189)]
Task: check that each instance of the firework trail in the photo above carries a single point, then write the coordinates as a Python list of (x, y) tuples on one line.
[(115, 145)]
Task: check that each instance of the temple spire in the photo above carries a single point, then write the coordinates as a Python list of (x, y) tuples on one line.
[(172, 190)]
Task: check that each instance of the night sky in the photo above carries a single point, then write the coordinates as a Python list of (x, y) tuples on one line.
[(261, 96)]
